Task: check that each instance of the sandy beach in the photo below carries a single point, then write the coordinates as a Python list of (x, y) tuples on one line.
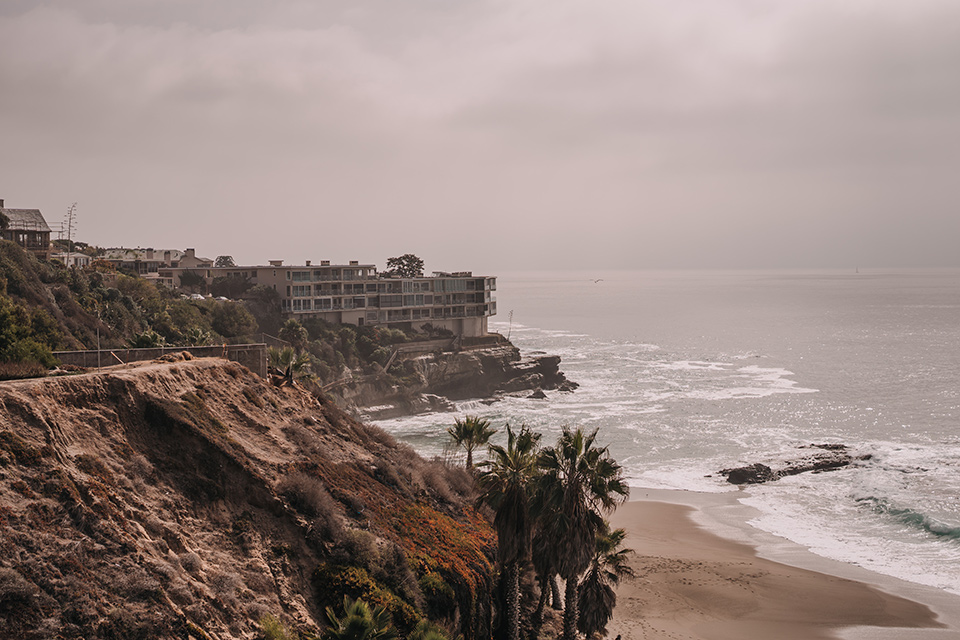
[(693, 584)]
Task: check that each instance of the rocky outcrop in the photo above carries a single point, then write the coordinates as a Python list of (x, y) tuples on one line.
[(818, 458), (486, 372), (431, 381), (190, 499)]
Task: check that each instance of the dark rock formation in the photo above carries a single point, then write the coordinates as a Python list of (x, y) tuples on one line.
[(487, 373), (751, 474), (826, 457)]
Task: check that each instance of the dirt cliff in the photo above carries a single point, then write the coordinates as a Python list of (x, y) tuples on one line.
[(190, 499)]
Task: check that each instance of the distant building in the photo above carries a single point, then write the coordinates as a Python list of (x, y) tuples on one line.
[(28, 229), (72, 259), (145, 262), (356, 294)]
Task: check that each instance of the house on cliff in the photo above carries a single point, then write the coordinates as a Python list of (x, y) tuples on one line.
[(147, 263), (28, 229)]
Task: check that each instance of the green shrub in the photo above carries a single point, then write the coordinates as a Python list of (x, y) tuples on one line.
[(337, 581), (273, 629)]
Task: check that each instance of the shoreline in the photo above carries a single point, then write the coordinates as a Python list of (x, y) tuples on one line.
[(703, 573)]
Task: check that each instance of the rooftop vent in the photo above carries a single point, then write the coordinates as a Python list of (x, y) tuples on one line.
[(276, 263), (324, 263)]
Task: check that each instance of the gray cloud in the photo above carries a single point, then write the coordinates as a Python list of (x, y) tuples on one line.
[(492, 135)]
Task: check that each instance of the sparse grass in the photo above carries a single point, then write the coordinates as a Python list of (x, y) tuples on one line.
[(140, 585), (306, 494), (93, 466), (273, 629), (191, 562), (21, 370), (253, 396), (15, 590), (20, 449), (224, 583)]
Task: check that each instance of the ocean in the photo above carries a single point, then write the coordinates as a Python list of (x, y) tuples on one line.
[(685, 373)]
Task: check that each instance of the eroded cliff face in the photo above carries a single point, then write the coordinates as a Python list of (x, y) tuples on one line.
[(190, 499), (434, 380)]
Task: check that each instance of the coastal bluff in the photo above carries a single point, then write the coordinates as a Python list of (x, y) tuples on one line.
[(191, 499)]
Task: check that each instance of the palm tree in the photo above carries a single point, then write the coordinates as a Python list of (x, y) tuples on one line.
[(595, 595), (505, 485), (470, 433), (359, 622), (579, 484)]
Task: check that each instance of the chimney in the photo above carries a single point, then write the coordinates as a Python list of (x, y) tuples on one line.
[(354, 263), (308, 263), (1, 203), (149, 254), (166, 257), (191, 253), (324, 263)]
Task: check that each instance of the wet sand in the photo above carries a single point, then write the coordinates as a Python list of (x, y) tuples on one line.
[(693, 584)]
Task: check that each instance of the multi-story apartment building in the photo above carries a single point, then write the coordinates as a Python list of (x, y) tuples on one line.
[(356, 294)]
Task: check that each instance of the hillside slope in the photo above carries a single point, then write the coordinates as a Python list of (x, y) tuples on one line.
[(190, 499)]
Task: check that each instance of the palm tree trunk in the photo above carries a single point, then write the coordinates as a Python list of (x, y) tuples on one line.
[(513, 601), (570, 610), (537, 621), (555, 592)]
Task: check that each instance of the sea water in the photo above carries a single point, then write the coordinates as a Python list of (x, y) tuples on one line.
[(687, 373)]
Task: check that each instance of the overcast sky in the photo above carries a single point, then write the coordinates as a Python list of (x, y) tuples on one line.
[(492, 135)]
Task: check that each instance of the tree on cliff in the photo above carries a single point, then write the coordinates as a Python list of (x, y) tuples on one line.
[(294, 333), (579, 483), (405, 266), (470, 433), (192, 281), (505, 485)]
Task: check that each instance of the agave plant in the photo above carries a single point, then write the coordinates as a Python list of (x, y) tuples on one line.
[(360, 621), (196, 337), (289, 364), (148, 339)]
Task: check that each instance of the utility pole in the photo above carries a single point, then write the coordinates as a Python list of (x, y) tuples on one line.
[(71, 217)]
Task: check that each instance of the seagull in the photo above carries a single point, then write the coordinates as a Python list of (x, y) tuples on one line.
[(598, 280)]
